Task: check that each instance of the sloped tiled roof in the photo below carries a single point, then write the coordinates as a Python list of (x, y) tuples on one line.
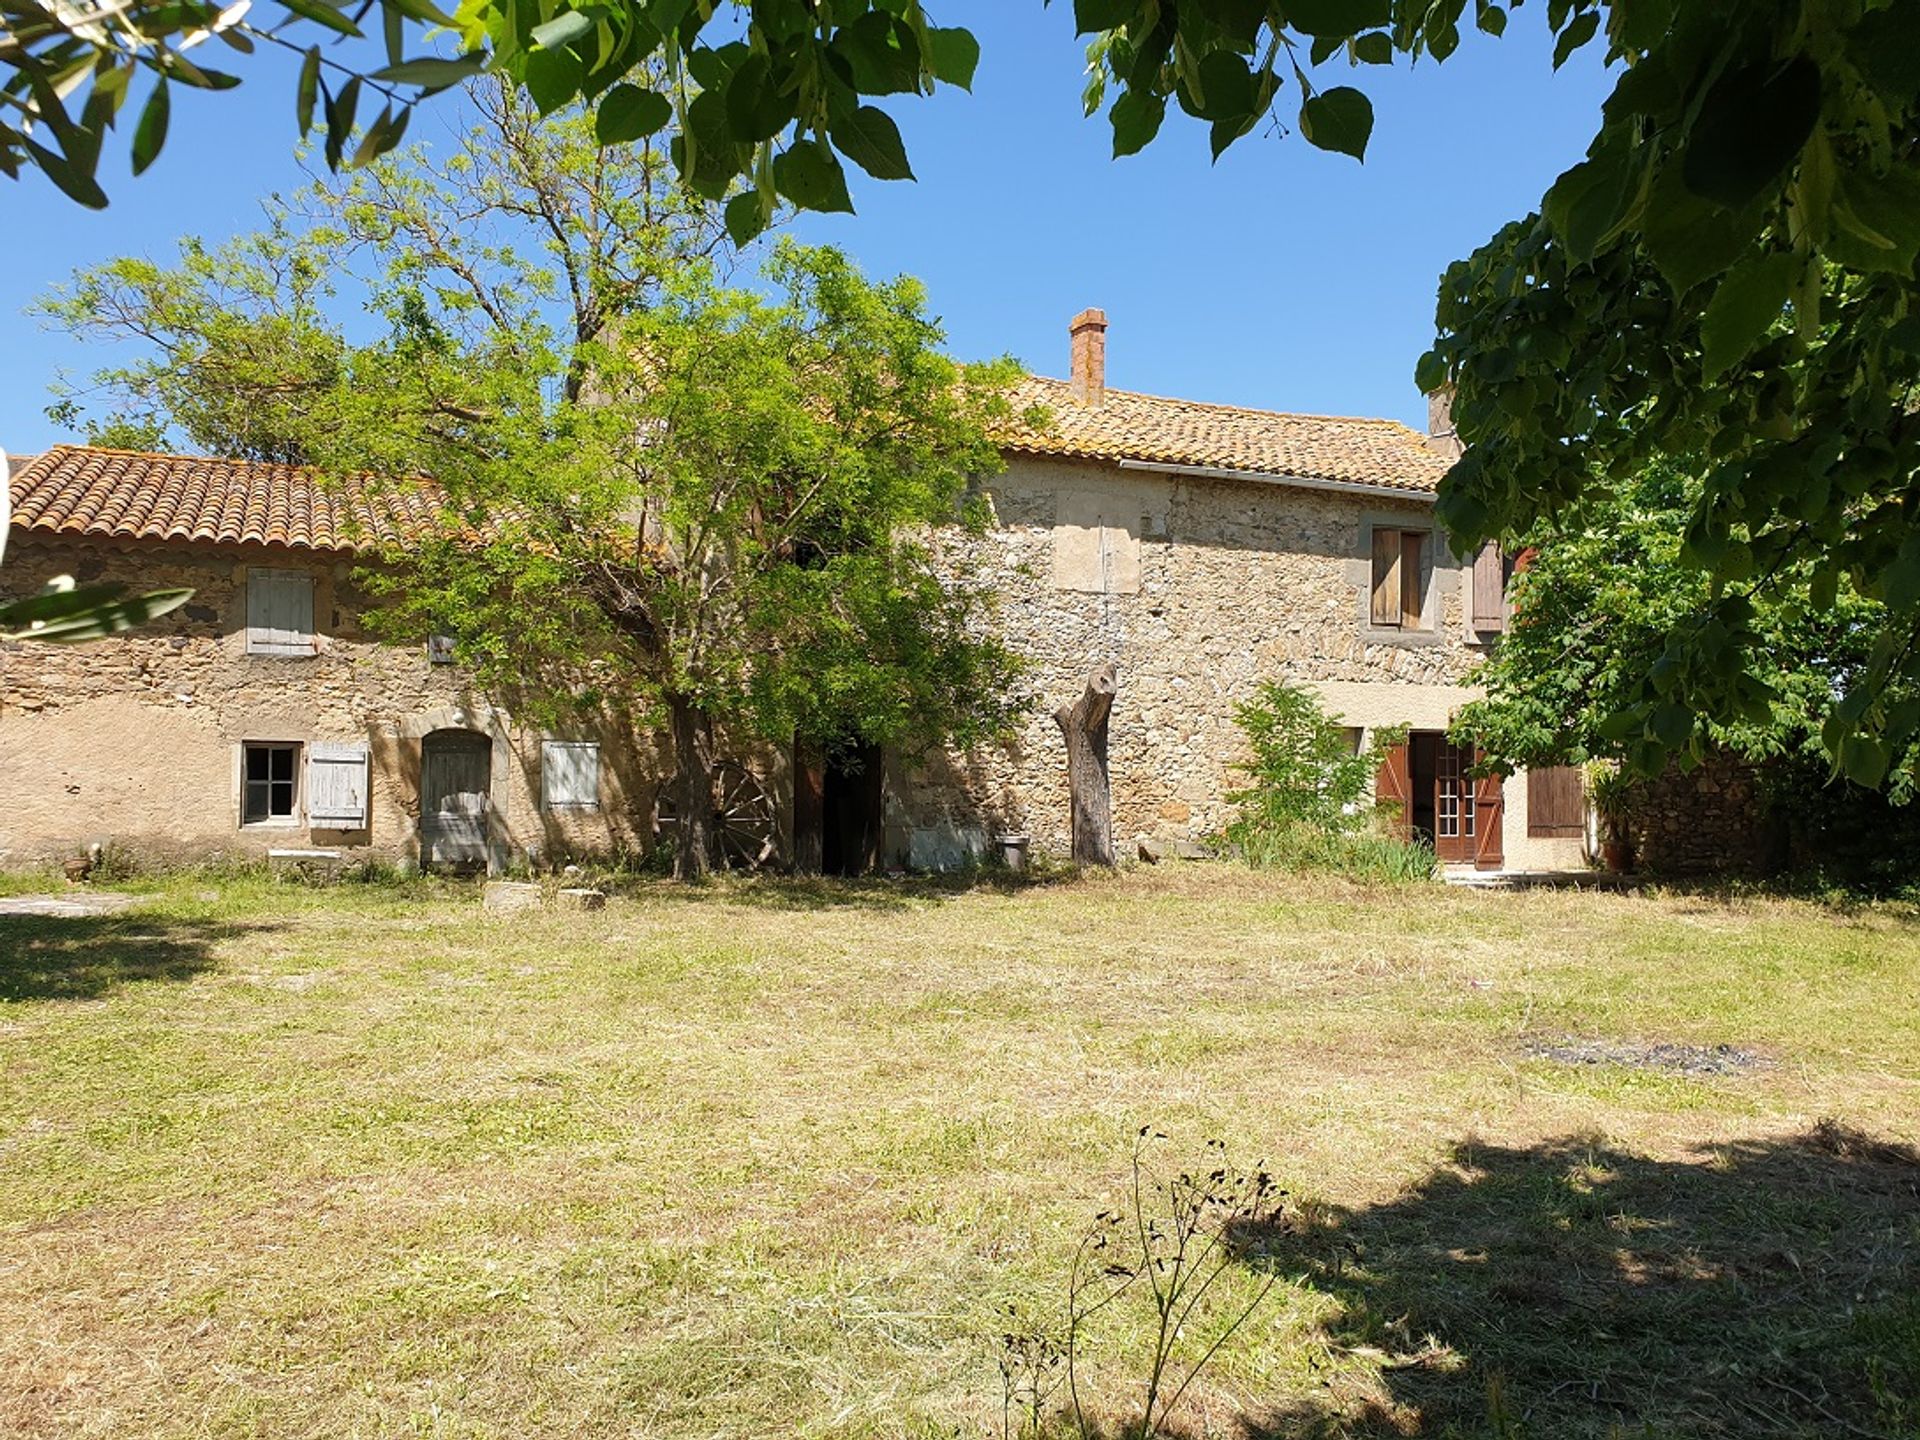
[(1126, 425), (124, 494)]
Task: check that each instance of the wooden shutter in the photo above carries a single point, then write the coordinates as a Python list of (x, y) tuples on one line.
[(570, 770), (337, 787), (279, 612), (1489, 589), (1413, 593), (1393, 792), (1386, 577), (1556, 803), (1489, 801)]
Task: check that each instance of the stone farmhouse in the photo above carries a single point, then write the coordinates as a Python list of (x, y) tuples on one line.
[(1199, 549)]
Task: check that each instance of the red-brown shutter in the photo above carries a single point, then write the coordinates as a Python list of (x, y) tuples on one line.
[(1413, 591), (1386, 577), (1393, 792), (1489, 800), (1556, 803), (1489, 589)]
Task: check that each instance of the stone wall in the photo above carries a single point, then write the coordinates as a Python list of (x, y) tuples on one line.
[(137, 739), (1710, 819), (1197, 590)]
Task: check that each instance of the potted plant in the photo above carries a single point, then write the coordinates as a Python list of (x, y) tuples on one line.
[(1608, 791)]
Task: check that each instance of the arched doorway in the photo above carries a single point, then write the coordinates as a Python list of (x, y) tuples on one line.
[(456, 778)]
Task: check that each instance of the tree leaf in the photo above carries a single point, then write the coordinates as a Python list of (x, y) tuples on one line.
[(322, 13), (746, 218), (75, 183), (1590, 199), (562, 30), (807, 173), (627, 113), (756, 111), (952, 55), (1091, 16), (307, 90), (432, 72), (1744, 306), (1574, 36), (553, 77), (1340, 119), (1750, 127), (1341, 19), (1136, 118), (870, 139), (151, 133)]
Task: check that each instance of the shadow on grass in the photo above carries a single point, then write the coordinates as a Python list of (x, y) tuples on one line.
[(1769, 1288), (823, 892), (84, 957)]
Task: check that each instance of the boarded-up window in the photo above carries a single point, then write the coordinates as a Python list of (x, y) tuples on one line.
[(279, 612), (337, 787), (1556, 803), (1489, 589), (570, 774), (1399, 579), (270, 784), (1096, 543)]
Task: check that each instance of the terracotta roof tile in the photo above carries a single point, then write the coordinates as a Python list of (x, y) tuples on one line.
[(1126, 425), (123, 494)]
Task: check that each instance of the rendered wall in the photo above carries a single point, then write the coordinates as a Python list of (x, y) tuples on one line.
[(136, 739)]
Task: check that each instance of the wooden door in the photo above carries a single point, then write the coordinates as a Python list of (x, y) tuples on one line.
[(1393, 791), (456, 770), (1489, 805), (1455, 804)]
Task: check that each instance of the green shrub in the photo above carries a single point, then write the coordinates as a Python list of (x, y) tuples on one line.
[(1306, 805)]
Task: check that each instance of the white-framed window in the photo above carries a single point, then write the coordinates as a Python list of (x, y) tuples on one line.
[(1399, 592), (570, 774), (279, 612), (269, 782)]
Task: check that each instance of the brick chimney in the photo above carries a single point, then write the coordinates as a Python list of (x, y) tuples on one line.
[(1441, 434), (1089, 373)]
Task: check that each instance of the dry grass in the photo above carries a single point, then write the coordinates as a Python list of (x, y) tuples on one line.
[(774, 1159)]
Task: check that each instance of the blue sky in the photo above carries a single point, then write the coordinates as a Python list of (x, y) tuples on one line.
[(1282, 277)]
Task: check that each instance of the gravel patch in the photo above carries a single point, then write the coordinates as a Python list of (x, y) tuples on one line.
[(1675, 1059)]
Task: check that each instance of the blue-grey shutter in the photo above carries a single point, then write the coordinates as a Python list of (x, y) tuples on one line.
[(337, 786), (279, 612), (570, 770)]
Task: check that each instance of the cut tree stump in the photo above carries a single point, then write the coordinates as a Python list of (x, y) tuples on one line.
[(1089, 788)]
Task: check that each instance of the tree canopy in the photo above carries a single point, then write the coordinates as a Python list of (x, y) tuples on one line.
[(1729, 274), (667, 497)]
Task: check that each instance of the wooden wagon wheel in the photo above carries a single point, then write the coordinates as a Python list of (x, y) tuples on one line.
[(746, 823)]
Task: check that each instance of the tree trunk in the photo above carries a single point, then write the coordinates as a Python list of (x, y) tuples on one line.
[(692, 788), (809, 807), (1089, 789)]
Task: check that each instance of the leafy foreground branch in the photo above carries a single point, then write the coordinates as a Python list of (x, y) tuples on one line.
[(1168, 1253)]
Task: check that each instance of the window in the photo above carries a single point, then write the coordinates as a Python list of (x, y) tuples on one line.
[(570, 771), (1399, 580), (1556, 803), (271, 783), (280, 612)]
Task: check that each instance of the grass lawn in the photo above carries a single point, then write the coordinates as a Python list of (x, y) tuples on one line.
[(776, 1159)]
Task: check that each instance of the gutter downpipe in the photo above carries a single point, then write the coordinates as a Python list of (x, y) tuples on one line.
[(1302, 482)]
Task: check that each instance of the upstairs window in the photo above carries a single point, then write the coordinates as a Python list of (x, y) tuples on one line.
[(1399, 579), (271, 788), (280, 612), (570, 771)]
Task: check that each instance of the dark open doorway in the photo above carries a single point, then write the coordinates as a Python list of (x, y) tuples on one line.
[(850, 810)]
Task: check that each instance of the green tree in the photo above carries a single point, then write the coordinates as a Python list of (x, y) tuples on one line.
[(1730, 273), (664, 495), (1605, 586)]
